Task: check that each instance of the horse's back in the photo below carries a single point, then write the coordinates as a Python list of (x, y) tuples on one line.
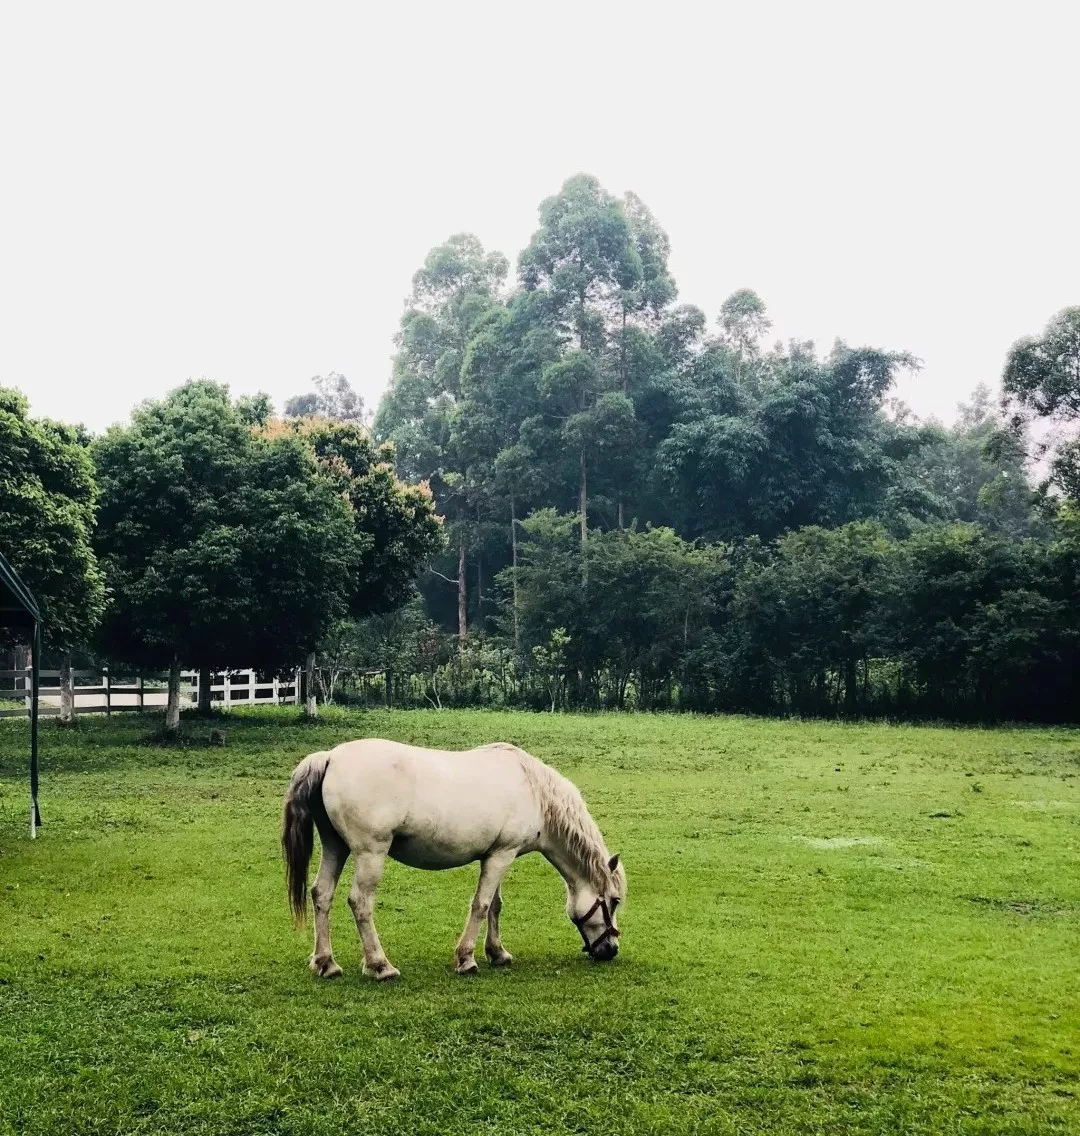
[(377, 758), (443, 806)]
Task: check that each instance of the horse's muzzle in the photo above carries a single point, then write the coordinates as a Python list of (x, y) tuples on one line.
[(606, 945), (605, 951)]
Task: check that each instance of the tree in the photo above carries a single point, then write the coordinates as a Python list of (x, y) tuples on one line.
[(396, 528), (744, 321), (811, 608), (302, 405), (333, 397), (648, 294), (396, 531), (1044, 373), (47, 513), (938, 582), (975, 471), (804, 443), (453, 291), (649, 594), (221, 544), (455, 285), (499, 393), (1042, 377), (549, 659), (571, 388), (586, 261), (545, 584), (400, 642), (745, 479)]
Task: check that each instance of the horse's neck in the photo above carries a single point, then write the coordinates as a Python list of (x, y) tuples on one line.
[(570, 840), (566, 862)]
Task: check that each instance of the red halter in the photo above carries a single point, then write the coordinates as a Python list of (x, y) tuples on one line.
[(610, 931)]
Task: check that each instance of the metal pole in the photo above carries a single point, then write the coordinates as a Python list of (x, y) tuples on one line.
[(35, 662)]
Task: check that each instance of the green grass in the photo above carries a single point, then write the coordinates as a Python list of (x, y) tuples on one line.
[(829, 929)]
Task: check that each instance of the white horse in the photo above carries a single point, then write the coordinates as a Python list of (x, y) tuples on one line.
[(434, 809)]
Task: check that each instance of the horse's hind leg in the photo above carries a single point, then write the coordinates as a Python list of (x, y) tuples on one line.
[(334, 854), (497, 954), (369, 869)]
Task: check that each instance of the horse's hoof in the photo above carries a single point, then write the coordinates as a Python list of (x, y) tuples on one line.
[(466, 968), (505, 959), (325, 968), (382, 973)]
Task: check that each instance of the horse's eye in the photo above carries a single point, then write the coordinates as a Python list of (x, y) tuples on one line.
[(615, 901)]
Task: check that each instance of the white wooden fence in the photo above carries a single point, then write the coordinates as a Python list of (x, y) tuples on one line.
[(99, 692)]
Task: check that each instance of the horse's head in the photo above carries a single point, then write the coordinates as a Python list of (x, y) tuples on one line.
[(592, 912)]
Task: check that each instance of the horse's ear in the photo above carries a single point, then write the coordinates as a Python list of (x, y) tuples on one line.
[(613, 863)]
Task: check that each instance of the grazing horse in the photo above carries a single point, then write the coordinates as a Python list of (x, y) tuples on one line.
[(432, 808)]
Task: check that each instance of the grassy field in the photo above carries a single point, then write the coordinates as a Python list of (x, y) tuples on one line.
[(829, 929)]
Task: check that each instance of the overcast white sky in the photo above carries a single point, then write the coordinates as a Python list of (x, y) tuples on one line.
[(243, 191)]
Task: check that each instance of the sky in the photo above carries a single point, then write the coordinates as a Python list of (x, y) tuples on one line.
[(243, 191)]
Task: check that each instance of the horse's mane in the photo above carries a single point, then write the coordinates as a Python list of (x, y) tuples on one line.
[(567, 818)]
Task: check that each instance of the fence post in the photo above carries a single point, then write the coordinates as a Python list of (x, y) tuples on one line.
[(107, 683), (277, 690), (142, 702), (251, 687), (226, 693)]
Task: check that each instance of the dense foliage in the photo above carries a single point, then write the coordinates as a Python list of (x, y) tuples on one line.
[(218, 542), (1042, 379), (604, 499), (953, 621), (47, 498), (644, 511), (230, 537)]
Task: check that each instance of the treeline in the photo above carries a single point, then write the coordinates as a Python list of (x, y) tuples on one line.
[(205, 534), (951, 622), (578, 492), (646, 510)]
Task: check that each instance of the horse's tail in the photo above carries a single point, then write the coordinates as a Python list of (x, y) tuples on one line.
[(303, 811)]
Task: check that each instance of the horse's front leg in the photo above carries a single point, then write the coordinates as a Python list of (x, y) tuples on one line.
[(369, 869), (492, 871), (497, 954)]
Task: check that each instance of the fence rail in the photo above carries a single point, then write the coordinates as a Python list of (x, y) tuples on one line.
[(96, 692)]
